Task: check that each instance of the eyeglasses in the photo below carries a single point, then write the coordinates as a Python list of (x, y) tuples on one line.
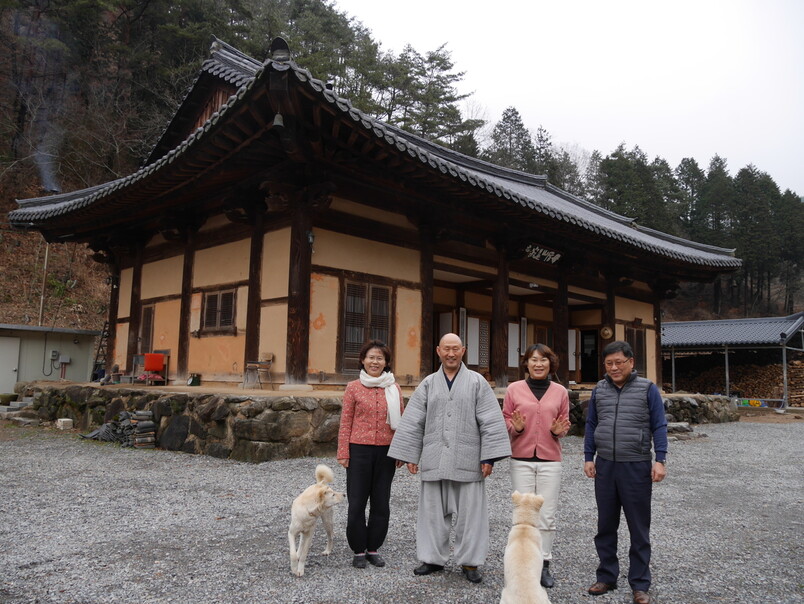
[(375, 359), (617, 363)]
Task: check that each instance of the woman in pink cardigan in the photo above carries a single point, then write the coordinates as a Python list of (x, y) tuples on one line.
[(536, 412), (372, 407)]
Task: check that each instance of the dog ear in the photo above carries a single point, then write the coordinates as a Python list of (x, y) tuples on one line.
[(516, 496)]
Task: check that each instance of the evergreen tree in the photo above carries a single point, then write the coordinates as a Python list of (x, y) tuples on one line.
[(511, 145), (690, 179)]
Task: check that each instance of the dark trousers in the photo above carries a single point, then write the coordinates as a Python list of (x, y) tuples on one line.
[(623, 486), (368, 477)]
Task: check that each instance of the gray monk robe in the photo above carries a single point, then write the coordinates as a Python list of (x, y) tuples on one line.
[(447, 432)]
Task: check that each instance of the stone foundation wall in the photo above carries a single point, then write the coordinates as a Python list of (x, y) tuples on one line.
[(257, 429)]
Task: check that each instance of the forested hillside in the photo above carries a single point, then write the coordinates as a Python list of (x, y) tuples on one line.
[(87, 86)]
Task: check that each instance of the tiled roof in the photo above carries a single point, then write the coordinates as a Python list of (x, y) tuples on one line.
[(529, 191), (732, 332)]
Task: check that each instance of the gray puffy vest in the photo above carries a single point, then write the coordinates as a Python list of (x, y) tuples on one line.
[(623, 420)]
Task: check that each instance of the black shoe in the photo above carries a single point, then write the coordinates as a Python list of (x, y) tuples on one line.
[(426, 569), (472, 574), (375, 559), (547, 579), (359, 561)]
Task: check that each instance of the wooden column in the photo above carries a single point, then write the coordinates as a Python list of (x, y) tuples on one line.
[(135, 308), (426, 278), (114, 304), (657, 321), (499, 322), (298, 334), (561, 327), (183, 353), (253, 308), (609, 319)]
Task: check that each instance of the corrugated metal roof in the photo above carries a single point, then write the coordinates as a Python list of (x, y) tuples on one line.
[(529, 191), (732, 332)]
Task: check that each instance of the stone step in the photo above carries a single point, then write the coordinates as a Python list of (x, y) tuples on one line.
[(25, 421), (17, 405), (8, 409)]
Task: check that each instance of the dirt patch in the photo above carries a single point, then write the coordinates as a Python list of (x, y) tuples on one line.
[(773, 417)]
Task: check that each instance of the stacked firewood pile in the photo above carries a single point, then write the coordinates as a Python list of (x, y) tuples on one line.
[(144, 435), (752, 381), (795, 383)]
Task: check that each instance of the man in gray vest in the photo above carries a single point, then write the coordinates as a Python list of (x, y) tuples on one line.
[(625, 414), (451, 432)]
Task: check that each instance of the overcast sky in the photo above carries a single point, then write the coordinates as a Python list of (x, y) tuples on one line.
[(688, 78)]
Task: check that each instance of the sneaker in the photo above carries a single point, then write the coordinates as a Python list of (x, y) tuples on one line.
[(359, 561)]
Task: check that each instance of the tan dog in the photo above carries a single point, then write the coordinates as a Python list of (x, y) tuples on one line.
[(315, 502), (523, 554)]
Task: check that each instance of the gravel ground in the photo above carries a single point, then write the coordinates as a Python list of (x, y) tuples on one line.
[(89, 522)]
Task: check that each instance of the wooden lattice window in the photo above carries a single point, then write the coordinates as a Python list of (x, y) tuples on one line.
[(219, 312), (366, 316)]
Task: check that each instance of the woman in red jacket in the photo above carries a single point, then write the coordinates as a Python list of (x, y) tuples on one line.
[(372, 406), (536, 412)]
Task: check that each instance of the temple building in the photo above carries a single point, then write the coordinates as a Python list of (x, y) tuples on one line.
[(274, 219)]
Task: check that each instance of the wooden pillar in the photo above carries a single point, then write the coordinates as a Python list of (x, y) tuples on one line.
[(253, 308), (609, 319), (183, 353), (499, 322), (426, 278), (657, 321), (561, 327), (298, 334), (135, 308), (114, 304)]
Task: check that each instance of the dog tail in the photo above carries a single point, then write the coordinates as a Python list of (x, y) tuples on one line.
[(323, 474)]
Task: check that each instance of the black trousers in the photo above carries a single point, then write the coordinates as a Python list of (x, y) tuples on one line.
[(368, 478), (623, 487)]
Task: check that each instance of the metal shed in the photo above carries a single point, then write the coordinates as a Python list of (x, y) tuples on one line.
[(784, 333)]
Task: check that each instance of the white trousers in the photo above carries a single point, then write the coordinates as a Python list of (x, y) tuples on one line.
[(439, 501), (542, 478)]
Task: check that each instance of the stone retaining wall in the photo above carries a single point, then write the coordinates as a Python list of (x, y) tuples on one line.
[(256, 429)]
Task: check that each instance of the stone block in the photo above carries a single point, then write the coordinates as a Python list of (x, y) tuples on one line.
[(64, 423)]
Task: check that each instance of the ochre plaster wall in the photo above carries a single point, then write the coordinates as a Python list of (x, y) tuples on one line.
[(477, 302), (274, 334), (361, 255), (538, 313), (275, 264), (324, 319), (241, 309), (120, 346), (442, 295), (580, 318), (217, 358), (162, 278), (221, 264), (628, 310), (166, 331), (650, 349), (407, 349), (124, 297)]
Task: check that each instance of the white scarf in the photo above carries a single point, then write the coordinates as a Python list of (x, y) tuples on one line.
[(387, 381)]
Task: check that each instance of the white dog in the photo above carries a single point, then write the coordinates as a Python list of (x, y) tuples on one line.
[(523, 554), (316, 501)]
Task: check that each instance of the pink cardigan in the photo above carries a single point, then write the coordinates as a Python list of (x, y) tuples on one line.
[(536, 439), (364, 418)]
